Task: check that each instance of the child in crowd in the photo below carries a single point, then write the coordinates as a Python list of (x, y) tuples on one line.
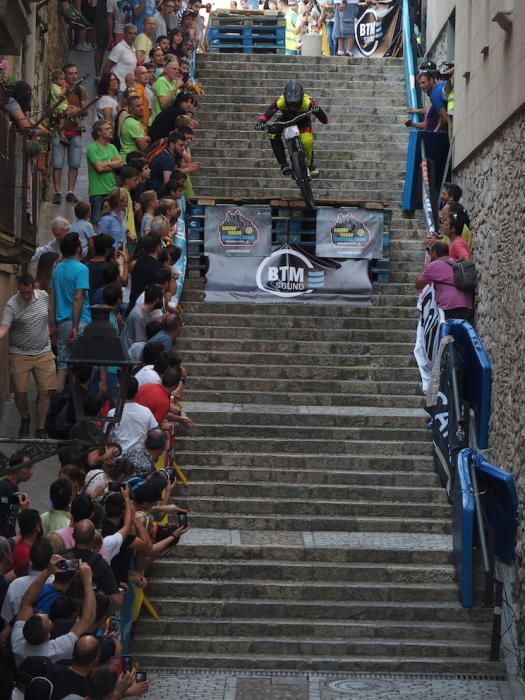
[(169, 209), (148, 202), (84, 228), (59, 102), (113, 221), (130, 179)]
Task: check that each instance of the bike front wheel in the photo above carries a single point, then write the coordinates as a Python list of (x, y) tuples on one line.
[(302, 178)]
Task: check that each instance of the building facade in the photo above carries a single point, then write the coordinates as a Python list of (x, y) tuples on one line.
[(485, 38)]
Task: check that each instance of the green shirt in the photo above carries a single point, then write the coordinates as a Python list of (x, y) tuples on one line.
[(130, 130), (161, 88), (100, 183)]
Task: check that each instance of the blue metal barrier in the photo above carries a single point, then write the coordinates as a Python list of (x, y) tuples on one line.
[(477, 375), (463, 529)]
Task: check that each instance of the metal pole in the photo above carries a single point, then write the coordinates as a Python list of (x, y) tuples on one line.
[(495, 640)]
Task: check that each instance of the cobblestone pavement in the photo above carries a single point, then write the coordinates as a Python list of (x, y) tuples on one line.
[(184, 685)]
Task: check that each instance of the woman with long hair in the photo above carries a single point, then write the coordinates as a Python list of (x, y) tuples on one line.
[(107, 105), (44, 270)]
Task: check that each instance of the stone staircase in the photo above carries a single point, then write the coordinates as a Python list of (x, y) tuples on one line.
[(320, 536)]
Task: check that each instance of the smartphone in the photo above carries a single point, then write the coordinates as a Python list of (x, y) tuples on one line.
[(114, 625), (114, 486), (69, 565), (182, 519), (127, 663), (141, 676)]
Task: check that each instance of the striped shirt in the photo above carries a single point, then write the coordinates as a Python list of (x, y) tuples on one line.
[(29, 330)]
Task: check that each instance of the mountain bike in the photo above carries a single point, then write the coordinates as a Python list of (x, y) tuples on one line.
[(292, 138)]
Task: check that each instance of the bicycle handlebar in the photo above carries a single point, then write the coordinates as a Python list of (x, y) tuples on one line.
[(292, 121)]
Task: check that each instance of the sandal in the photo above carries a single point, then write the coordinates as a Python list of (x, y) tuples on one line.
[(340, 53)]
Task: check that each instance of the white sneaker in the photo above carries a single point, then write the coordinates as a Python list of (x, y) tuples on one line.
[(83, 47)]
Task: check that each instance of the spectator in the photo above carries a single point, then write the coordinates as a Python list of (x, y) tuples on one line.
[(112, 221), (103, 577), (73, 678), (30, 668), (25, 320), (165, 163), (39, 558), (144, 42), (453, 221), (103, 160), (119, 14), (150, 371), (148, 201), (135, 327), (41, 688), (102, 35), (12, 500), (164, 18), (46, 264), (145, 266), (130, 178), (141, 89), (132, 136), (103, 249), (81, 509), (144, 453), (60, 495), (166, 88), (107, 105), (30, 528), (157, 397), (84, 228), (31, 631), (59, 229), (171, 329), (452, 193), (165, 121), (136, 421), (69, 302), (53, 590), (103, 682), (77, 100), (18, 108), (141, 10), (439, 272), (6, 567), (436, 118), (123, 59), (344, 25), (136, 350)]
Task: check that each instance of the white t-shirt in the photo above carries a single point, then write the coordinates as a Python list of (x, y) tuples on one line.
[(122, 14), (160, 25), (156, 313), (15, 593), (147, 375), (135, 424), (111, 545), (54, 649), (107, 101), (125, 59)]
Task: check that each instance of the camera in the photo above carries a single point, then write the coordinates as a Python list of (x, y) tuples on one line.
[(141, 676), (127, 663), (114, 625), (14, 500), (114, 486), (182, 519), (68, 565), (444, 69)]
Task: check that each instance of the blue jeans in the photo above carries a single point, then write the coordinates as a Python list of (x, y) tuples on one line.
[(64, 347), (329, 34), (96, 201), (74, 152)]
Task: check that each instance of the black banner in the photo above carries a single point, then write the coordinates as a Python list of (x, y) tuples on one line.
[(377, 29)]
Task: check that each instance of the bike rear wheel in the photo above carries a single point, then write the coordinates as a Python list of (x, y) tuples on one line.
[(300, 172)]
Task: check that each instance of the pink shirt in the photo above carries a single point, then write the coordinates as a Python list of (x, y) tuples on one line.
[(458, 249), (67, 535), (447, 295)]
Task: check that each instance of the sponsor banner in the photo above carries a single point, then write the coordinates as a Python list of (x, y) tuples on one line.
[(288, 274), (427, 339), (377, 29), (181, 264), (238, 231), (349, 233)]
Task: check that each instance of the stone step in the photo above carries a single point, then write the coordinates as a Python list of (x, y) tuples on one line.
[(391, 362), (346, 664), (280, 73), (237, 570), (214, 518), (326, 191), (265, 167), (302, 462), (274, 371), (360, 91), (362, 399), (393, 496), (146, 628), (305, 347), (298, 312), (338, 111), (421, 611), (283, 334), (319, 321), (234, 60), (300, 431), (378, 299), (329, 141), (322, 476), (208, 151)]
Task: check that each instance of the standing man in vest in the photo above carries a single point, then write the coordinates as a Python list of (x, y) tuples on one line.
[(289, 7)]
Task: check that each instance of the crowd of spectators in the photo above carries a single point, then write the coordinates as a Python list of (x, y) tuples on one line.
[(73, 579)]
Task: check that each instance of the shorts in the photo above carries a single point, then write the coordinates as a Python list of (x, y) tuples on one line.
[(96, 201), (89, 12), (74, 152), (344, 22), (42, 367), (64, 347), (101, 33)]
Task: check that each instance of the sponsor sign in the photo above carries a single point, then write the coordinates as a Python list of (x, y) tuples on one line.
[(349, 233), (288, 274), (377, 28), (238, 231), (427, 338)]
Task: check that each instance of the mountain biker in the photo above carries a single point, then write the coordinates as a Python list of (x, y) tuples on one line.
[(292, 102)]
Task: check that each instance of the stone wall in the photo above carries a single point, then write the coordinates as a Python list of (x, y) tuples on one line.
[(438, 51), (492, 180)]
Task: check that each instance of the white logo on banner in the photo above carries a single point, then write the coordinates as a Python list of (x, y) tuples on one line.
[(283, 274), (368, 32)]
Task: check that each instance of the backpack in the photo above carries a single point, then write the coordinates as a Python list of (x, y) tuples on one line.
[(155, 149), (465, 275)]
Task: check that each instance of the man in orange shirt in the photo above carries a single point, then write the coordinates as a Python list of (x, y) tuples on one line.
[(141, 89)]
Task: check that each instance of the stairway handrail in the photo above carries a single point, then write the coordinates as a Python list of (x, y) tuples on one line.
[(409, 61)]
